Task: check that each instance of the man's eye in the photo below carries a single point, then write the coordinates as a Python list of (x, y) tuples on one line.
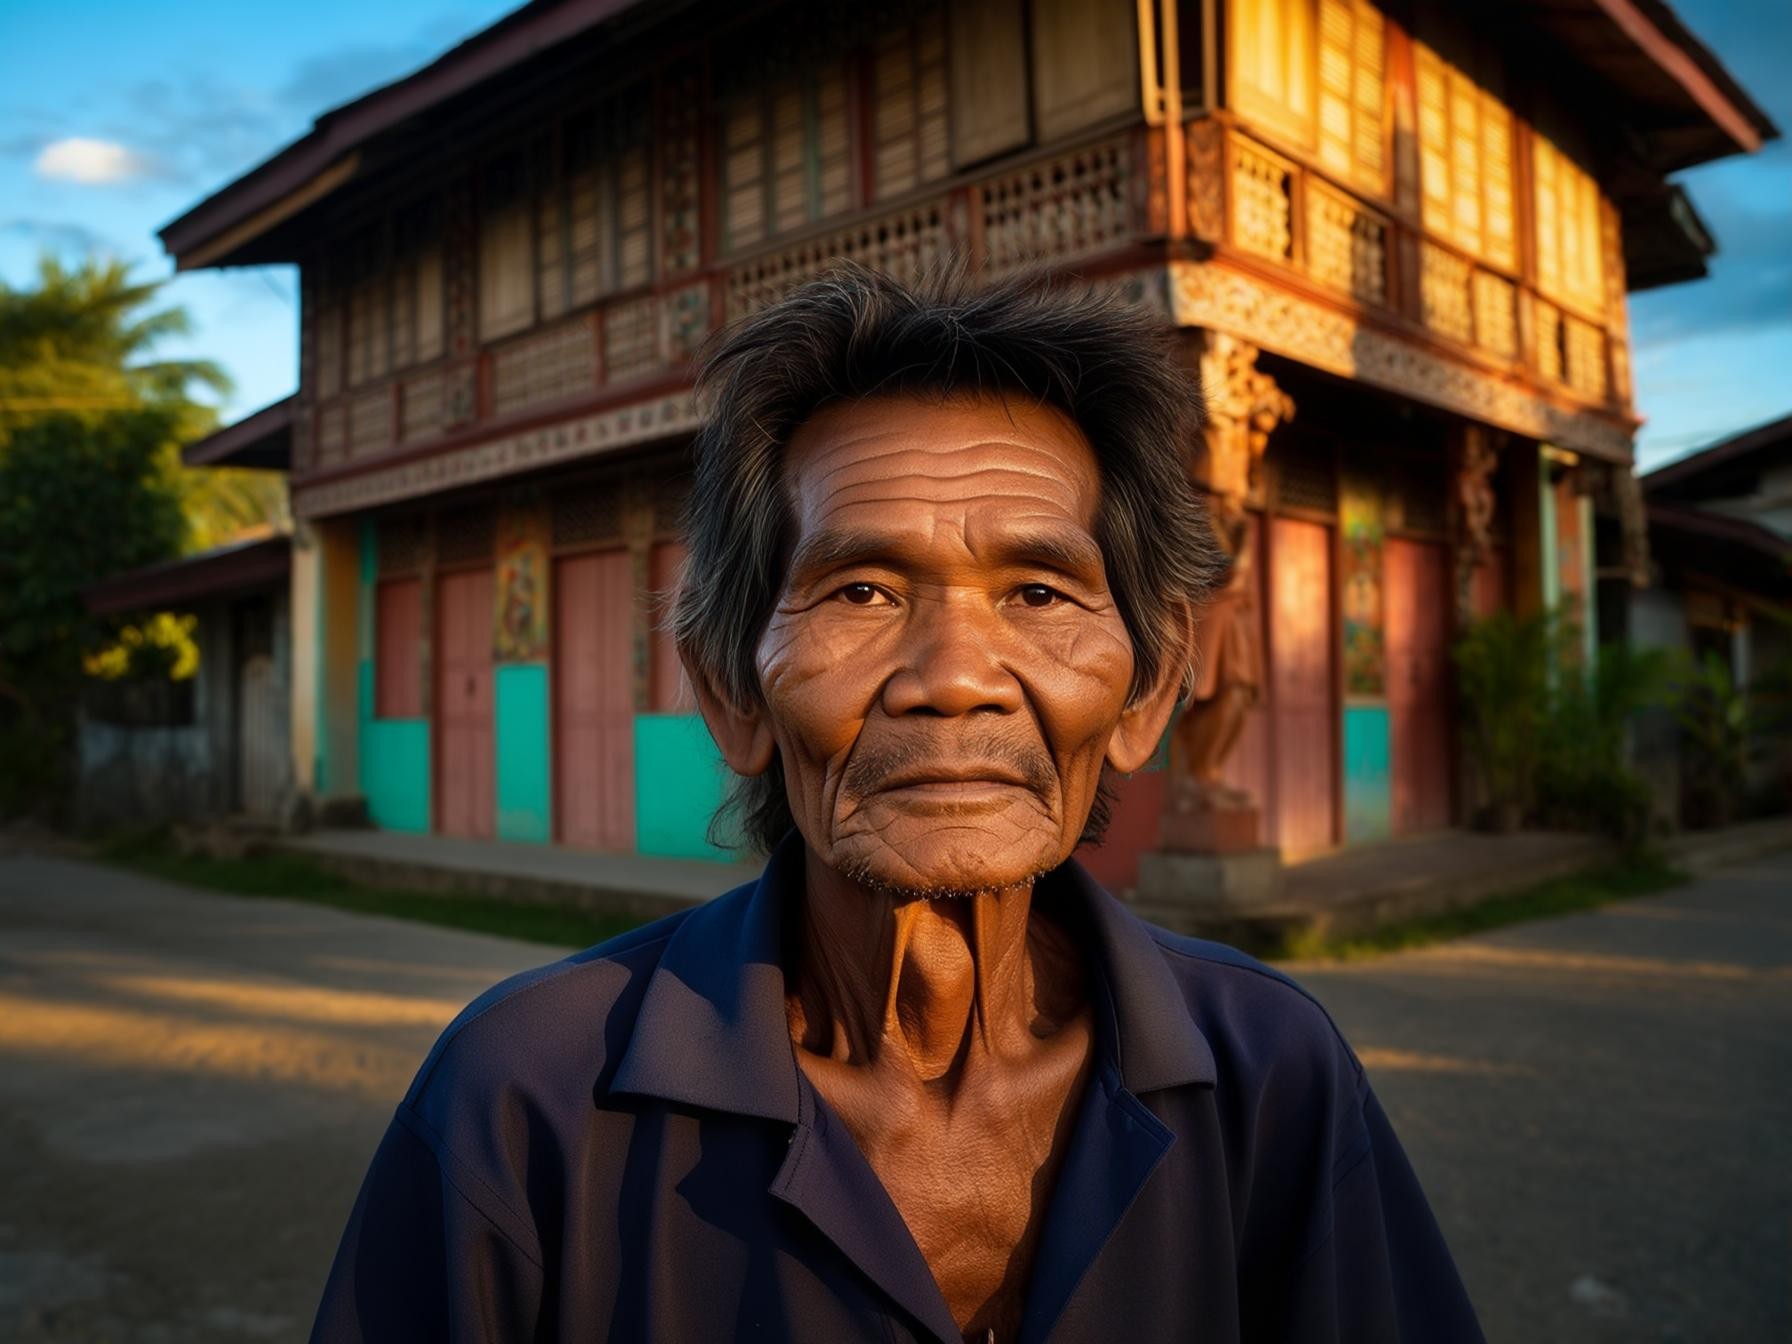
[(859, 594), (1039, 594)]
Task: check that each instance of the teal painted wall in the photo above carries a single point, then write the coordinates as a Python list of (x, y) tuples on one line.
[(1368, 788), (394, 765), (525, 798), (394, 753), (679, 781)]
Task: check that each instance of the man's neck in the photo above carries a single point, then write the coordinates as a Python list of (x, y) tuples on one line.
[(925, 986)]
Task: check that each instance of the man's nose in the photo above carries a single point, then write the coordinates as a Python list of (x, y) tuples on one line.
[(951, 660)]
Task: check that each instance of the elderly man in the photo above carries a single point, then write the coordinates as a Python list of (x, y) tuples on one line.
[(924, 1079)]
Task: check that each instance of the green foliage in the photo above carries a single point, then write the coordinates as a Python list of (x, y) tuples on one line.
[(80, 497), (91, 483), (1583, 779), (1502, 668), (1547, 733), (1725, 728)]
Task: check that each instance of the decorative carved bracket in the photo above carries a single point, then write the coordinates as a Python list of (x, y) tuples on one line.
[(1243, 406), (1478, 459)]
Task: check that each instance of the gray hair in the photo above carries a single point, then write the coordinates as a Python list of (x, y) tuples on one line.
[(853, 333)]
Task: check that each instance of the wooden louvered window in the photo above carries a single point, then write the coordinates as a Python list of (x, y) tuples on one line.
[(909, 131), (1465, 140), (786, 153), (1566, 211), (327, 331), (1085, 64), (367, 306), (593, 212), (1272, 45), (417, 283), (506, 249), (1352, 89), (1314, 73)]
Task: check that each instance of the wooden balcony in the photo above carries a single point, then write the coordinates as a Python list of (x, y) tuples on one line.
[(1295, 223)]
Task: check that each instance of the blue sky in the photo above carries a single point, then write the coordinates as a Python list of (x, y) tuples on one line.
[(115, 118)]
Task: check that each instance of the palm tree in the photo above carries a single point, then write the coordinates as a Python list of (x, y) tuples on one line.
[(82, 342)]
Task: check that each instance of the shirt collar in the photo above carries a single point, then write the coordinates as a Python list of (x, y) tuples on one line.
[(712, 1030)]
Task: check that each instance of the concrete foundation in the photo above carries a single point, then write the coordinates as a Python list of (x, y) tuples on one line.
[(1190, 892)]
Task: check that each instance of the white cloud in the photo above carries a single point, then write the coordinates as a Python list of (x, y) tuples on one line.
[(79, 159)]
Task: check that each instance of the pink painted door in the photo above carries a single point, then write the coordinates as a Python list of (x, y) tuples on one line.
[(1304, 717), (466, 771), (594, 700), (1418, 647)]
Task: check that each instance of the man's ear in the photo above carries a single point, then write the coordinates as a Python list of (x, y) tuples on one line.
[(743, 733), (1142, 722)]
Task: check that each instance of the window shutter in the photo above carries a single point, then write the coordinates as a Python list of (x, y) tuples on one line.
[(790, 167), (428, 269), (551, 298), (988, 79), (743, 170), (1501, 236), (1271, 50), (506, 279), (634, 218), (833, 142), (893, 113)]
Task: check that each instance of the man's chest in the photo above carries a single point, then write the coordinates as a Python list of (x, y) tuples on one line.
[(971, 1175)]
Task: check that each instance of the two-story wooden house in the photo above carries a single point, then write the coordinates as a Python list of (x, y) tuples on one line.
[(1396, 236)]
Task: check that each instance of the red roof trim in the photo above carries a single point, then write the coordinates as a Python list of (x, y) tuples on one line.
[(263, 439), (218, 573), (513, 39), (1769, 435), (1674, 58), (1702, 522)]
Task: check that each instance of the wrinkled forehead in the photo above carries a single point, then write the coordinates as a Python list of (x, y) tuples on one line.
[(889, 460)]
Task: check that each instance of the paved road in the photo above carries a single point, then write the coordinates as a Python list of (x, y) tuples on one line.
[(190, 1087), (1600, 1108)]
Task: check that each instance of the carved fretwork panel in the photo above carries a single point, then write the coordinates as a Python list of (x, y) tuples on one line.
[(1262, 202), (1057, 209), (1347, 245), (1244, 405)]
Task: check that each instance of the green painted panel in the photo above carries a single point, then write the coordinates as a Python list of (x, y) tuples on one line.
[(680, 779), (394, 764), (1368, 785), (525, 800)]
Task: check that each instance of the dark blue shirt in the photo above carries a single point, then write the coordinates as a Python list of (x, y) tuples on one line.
[(621, 1146)]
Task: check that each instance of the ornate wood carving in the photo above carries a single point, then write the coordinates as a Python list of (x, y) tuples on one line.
[(1244, 405), (1478, 458), (1206, 295), (1201, 145), (568, 441), (1058, 208)]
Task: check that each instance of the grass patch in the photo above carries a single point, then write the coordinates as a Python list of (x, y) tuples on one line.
[(293, 877), (1642, 876)]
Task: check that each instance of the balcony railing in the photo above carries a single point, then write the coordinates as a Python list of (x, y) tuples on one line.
[(1245, 197)]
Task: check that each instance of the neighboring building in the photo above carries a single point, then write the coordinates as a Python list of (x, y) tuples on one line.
[(1720, 535), (215, 744), (1397, 239)]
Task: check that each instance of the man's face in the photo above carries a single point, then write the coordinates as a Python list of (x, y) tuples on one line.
[(945, 668)]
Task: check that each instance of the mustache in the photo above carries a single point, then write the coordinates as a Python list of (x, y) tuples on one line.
[(873, 765)]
